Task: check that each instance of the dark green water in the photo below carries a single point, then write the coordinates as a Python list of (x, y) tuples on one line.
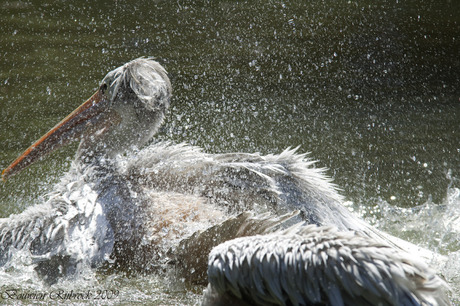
[(371, 88)]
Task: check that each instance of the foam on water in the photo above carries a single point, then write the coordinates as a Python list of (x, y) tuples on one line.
[(20, 285), (435, 226)]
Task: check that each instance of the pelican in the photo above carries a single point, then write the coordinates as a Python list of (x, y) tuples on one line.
[(310, 265), (134, 206)]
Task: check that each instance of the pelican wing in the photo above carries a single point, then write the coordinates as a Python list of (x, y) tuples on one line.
[(319, 265), (70, 228), (192, 253), (241, 182)]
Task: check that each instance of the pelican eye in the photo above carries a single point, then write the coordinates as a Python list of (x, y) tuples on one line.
[(103, 88)]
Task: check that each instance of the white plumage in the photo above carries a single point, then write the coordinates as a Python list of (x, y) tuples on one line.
[(138, 209), (307, 265)]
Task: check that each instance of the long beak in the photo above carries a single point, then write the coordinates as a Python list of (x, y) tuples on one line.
[(69, 129)]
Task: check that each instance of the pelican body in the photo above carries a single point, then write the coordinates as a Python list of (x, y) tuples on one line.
[(136, 207)]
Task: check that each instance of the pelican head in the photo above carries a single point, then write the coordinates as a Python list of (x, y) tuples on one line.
[(125, 112)]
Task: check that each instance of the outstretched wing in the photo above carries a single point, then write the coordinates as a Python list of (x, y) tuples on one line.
[(240, 182), (68, 229)]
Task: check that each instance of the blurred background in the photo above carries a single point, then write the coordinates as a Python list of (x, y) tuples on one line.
[(370, 88)]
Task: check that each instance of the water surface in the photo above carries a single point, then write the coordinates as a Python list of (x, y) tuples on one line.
[(370, 88)]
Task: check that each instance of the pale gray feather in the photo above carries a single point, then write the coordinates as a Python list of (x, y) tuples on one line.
[(306, 265)]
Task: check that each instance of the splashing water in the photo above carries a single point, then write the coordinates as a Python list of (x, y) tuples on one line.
[(433, 226), (370, 88)]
